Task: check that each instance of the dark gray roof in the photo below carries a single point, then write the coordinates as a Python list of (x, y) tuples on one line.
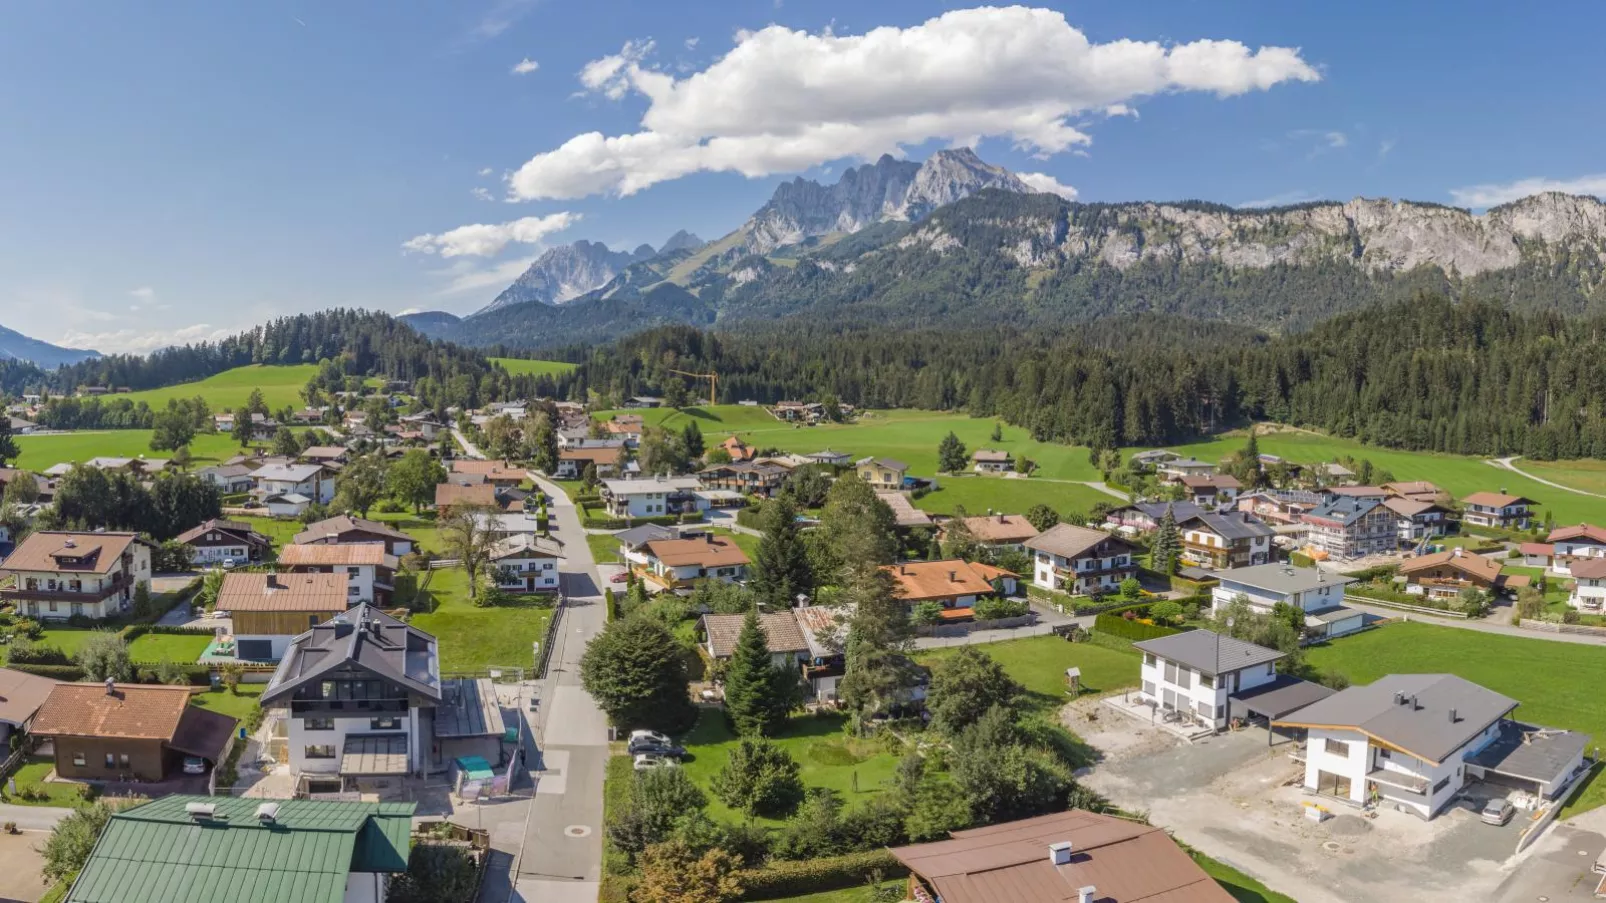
[(1531, 752), (1209, 652), (1331, 613), (1345, 508), (1285, 694), (1424, 729), (1180, 510), (645, 533), (1235, 525), (362, 638)]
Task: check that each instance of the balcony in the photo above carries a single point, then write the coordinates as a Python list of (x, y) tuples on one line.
[(1413, 784), (1099, 571), (63, 594)]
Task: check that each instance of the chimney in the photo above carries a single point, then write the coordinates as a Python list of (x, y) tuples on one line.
[(953, 576), (1059, 853), (200, 811), (1085, 894), (1456, 552), (111, 687)]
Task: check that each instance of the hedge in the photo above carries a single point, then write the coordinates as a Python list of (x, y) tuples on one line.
[(620, 523), (1115, 625), (70, 673), (811, 876)]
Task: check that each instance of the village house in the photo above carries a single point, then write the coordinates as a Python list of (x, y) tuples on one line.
[(21, 695), (625, 426), (1589, 585), (57, 574), (573, 461), (1176, 468), (1376, 493), (1537, 554), (1211, 490), (798, 411), (1335, 474), (1314, 591), (1414, 741), (1417, 519), (359, 696), (954, 583), (738, 450), (230, 479), (128, 732), (330, 456), (1417, 491), (369, 569), (882, 473), (424, 424), (1235, 539), (1282, 507), (1080, 561), (1152, 459), (673, 564), (526, 564), (1067, 857), (220, 541), (310, 481), (655, 497), (750, 478), (1497, 509), (633, 542), (451, 495), (1351, 528), (782, 636), (1572, 545), (1443, 575), (829, 458), (267, 610), (502, 526), (500, 474), (1145, 517), (986, 460), (346, 529), (997, 531), (1196, 672)]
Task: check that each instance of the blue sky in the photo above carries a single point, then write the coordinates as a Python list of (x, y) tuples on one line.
[(180, 170)]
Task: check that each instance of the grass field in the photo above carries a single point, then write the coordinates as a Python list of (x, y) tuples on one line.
[(979, 494), (521, 367), (40, 452), (234, 705), (1038, 664), (474, 639), (280, 386), (1588, 475), (1554, 682), (174, 647), (1243, 888), (827, 757), (604, 548)]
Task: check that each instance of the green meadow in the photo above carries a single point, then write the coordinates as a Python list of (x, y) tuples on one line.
[(280, 385), (521, 367)]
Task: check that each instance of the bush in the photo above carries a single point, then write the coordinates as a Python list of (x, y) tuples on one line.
[(1115, 625), (70, 673), (797, 878), (760, 778), (27, 652), (993, 608), (1165, 611), (925, 614)]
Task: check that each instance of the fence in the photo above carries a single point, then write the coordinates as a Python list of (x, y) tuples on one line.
[(1401, 606), (545, 657), (1553, 627)]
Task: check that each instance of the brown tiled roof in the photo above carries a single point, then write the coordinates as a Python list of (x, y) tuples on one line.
[(1123, 860), (991, 572), (593, 454), (922, 580), (349, 554), (324, 451), (1579, 531), (21, 694), (1412, 487), (494, 470), (1587, 568), (1071, 541), (1476, 565), (96, 553), (1215, 480), (1001, 528), (1494, 499), (1537, 548), (447, 495), (129, 712), (344, 523), (715, 551), (284, 592), (1408, 507), (781, 632)]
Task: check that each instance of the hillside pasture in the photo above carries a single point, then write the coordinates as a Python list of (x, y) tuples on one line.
[(280, 385), (40, 452), (521, 367)]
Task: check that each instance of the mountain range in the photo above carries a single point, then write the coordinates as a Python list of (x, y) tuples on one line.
[(569, 271), (17, 347), (955, 241)]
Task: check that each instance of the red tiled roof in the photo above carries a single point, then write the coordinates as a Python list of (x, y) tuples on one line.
[(1579, 531)]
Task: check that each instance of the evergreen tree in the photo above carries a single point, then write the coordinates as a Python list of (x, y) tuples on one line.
[(691, 439), (8, 443), (951, 454), (878, 671), (780, 570), (855, 526), (243, 431), (758, 695), (1166, 549)]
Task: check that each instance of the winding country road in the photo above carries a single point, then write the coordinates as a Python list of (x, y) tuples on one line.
[(1506, 463)]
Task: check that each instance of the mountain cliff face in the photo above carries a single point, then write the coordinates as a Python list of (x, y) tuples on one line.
[(681, 241), (567, 272), (888, 189), (18, 347)]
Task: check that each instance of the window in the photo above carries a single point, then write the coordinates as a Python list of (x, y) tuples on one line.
[(1443, 783), (1148, 688), (122, 759), (318, 724), (111, 761), (1336, 747), (1148, 659), (1383, 752), (1207, 681), (78, 759), (318, 751), (384, 724)]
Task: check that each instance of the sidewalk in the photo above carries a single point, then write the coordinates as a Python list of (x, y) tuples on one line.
[(33, 818)]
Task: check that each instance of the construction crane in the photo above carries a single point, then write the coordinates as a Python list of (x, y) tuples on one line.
[(713, 382)]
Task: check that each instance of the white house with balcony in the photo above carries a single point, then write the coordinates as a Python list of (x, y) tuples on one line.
[(312, 481), (522, 563), (1316, 592), (1575, 545), (58, 574), (1412, 741), (1194, 673), (654, 497), (1589, 585), (1071, 559)]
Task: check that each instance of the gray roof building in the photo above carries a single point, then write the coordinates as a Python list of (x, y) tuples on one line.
[(1071, 541), (1209, 652), (1283, 579), (1343, 509), (1232, 526), (360, 639), (1429, 716)]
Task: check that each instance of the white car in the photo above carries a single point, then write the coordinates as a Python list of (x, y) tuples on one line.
[(653, 738), (649, 761)]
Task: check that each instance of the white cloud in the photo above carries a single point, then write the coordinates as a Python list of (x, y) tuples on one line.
[(143, 293), (525, 66), (691, 43), (482, 193), (468, 276), (486, 170), (1042, 181), (488, 239), (1385, 147), (784, 100), (136, 341), (1493, 194), (1279, 200)]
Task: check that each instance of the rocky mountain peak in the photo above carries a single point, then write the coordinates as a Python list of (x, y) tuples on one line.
[(681, 241), (566, 272)]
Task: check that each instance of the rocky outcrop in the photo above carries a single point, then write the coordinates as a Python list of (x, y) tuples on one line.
[(567, 272), (681, 241)]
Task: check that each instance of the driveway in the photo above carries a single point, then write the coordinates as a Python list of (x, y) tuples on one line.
[(21, 876), (1558, 867)]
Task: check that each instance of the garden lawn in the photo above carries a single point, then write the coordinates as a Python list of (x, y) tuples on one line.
[(521, 367), (1038, 664), (235, 705), (66, 639), (280, 386), (747, 542), (41, 452), (1557, 684), (173, 647), (475, 639), (978, 495), (31, 774), (863, 893), (604, 547), (827, 757), (1243, 888)]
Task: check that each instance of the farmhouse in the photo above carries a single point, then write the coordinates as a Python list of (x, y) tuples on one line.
[(782, 636), (955, 584), (141, 732), (56, 575), (369, 569), (218, 541), (986, 460), (1497, 509), (1413, 741), (1080, 560), (269, 609), (1232, 540), (346, 529), (1316, 592), (1068, 856), (526, 564)]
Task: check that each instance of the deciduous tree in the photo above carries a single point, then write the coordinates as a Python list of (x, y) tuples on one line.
[(636, 671)]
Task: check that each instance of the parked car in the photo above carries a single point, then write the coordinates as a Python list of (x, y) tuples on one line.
[(620, 577), (649, 761), (1498, 811), (194, 765)]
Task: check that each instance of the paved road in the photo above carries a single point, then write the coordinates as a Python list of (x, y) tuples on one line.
[(469, 449), (1482, 625), (33, 818), (560, 860), (1506, 464)]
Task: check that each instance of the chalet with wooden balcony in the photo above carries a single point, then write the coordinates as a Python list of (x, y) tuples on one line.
[(55, 575), (1073, 559)]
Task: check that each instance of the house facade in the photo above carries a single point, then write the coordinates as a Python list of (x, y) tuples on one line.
[(573, 461), (311, 481), (525, 564), (1589, 585), (882, 473), (1497, 509), (1193, 673), (748, 477), (1316, 592), (1078, 560), (1211, 490), (57, 574), (655, 497), (217, 541), (1347, 527), (141, 732), (1443, 575), (1233, 540), (673, 564), (269, 610), (1569, 545), (370, 570), (986, 460)]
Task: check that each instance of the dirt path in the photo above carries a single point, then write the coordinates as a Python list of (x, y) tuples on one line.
[(1506, 464)]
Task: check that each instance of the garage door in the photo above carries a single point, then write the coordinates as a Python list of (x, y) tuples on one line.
[(256, 650)]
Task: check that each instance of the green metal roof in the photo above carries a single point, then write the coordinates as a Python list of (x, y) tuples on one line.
[(155, 852)]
